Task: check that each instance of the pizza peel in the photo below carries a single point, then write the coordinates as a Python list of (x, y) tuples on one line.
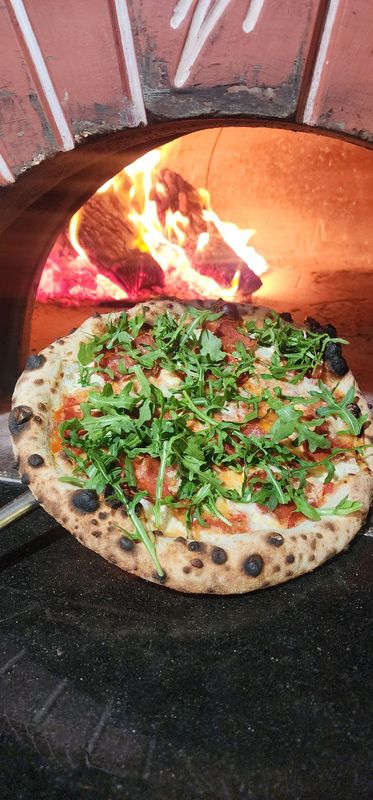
[(17, 508)]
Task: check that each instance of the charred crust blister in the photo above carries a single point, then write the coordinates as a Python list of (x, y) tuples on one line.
[(195, 547), (218, 555), (110, 500), (25, 479), (85, 500), (35, 460), (35, 362), (275, 539), (18, 417), (317, 327), (126, 543), (339, 365), (334, 358), (355, 410), (229, 309), (197, 563), (253, 565), (333, 350), (290, 558)]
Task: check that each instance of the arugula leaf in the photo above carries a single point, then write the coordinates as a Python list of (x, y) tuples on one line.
[(135, 323), (305, 508), (88, 350), (340, 409), (275, 483), (145, 385), (211, 346), (344, 507), (160, 479), (145, 413)]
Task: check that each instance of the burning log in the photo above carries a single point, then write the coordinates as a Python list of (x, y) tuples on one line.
[(215, 258), (109, 241), (172, 193), (148, 237), (138, 273)]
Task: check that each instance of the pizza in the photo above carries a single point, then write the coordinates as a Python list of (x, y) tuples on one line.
[(214, 448)]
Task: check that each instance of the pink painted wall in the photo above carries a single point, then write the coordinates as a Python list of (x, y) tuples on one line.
[(75, 69), (344, 96)]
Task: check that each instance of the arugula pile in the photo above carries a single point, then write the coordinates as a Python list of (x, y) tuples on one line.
[(295, 350), (183, 426)]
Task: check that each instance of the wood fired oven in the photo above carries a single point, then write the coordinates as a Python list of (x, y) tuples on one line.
[(109, 687)]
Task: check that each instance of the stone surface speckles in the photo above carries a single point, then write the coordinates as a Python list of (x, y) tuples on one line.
[(111, 687)]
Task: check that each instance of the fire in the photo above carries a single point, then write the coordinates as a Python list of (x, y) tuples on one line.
[(171, 242), (73, 235)]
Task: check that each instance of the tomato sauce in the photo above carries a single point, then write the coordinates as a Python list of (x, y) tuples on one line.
[(112, 359), (288, 515), (229, 335), (69, 409), (120, 362), (146, 471)]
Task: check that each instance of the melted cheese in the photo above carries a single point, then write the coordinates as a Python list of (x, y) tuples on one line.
[(166, 381), (343, 468), (265, 352)]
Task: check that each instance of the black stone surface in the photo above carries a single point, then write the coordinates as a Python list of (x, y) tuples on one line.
[(111, 688)]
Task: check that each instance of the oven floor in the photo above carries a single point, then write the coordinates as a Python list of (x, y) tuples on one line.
[(112, 688)]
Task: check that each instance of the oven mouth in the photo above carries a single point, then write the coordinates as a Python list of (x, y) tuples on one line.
[(274, 217), (305, 195), (149, 232)]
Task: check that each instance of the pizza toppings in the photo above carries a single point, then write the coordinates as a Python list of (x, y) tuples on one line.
[(195, 398), (146, 471)]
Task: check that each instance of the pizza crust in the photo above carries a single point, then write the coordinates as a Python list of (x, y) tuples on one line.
[(218, 562)]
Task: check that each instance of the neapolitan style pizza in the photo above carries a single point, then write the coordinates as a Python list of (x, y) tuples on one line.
[(214, 449)]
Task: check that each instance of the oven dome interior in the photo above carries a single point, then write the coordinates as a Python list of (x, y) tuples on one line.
[(308, 199)]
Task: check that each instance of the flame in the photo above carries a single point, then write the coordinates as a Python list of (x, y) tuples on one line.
[(202, 241), (167, 240), (73, 235), (238, 239)]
